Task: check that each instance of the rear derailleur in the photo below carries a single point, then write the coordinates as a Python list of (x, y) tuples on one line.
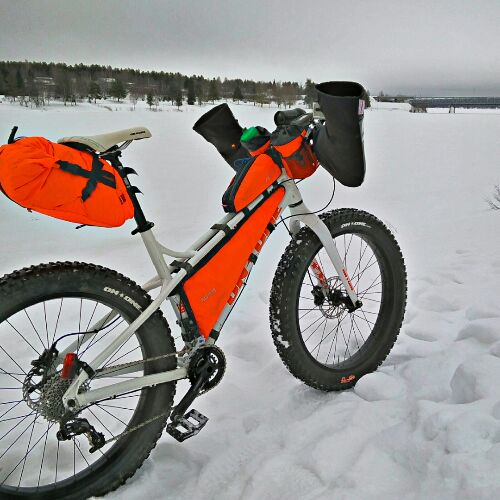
[(76, 427), (206, 369)]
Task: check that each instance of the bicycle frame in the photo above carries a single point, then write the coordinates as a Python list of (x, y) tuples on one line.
[(167, 282)]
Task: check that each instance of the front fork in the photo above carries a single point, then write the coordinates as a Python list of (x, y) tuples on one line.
[(300, 213)]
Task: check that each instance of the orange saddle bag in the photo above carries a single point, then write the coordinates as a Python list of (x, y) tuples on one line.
[(63, 182)]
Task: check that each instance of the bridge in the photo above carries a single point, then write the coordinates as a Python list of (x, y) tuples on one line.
[(422, 103)]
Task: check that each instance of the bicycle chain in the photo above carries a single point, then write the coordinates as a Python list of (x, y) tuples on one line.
[(133, 363)]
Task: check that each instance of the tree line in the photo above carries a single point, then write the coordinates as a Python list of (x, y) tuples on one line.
[(37, 83)]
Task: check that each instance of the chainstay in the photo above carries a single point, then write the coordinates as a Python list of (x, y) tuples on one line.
[(134, 363)]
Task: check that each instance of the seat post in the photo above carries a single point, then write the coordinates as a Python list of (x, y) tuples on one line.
[(142, 223)]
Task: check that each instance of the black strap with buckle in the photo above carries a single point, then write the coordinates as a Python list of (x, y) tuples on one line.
[(96, 175)]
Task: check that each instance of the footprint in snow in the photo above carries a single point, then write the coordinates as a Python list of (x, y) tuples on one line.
[(495, 349), (495, 411), (472, 313), (475, 379), (378, 386), (419, 334), (438, 303), (471, 432), (448, 276), (479, 332)]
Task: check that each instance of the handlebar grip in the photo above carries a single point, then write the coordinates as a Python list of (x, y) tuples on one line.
[(287, 116)]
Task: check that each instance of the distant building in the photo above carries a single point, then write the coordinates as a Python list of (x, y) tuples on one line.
[(46, 86), (105, 85)]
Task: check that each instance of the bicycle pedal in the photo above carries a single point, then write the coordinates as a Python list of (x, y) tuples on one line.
[(187, 426)]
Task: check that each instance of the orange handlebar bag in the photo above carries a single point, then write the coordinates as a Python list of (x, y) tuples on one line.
[(250, 182)]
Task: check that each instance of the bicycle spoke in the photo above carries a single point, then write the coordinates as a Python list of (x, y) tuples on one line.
[(114, 416), (117, 407), (36, 331), (308, 311), (359, 330), (100, 421), (24, 458), (94, 338), (316, 329), (57, 459), (10, 409), (13, 360), (12, 375), (22, 336), (92, 317), (302, 331), (322, 336), (80, 451), (122, 356), (43, 453), (46, 326), (94, 342), (11, 402), (57, 321), (20, 435), (27, 451)]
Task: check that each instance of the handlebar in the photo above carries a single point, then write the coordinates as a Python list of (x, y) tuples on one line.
[(286, 117)]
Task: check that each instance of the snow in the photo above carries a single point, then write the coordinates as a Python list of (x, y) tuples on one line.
[(427, 423)]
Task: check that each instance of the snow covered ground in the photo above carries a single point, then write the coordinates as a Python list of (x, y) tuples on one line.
[(427, 423)]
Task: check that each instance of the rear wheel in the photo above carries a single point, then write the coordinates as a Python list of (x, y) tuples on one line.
[(318, 339), (38, 306)]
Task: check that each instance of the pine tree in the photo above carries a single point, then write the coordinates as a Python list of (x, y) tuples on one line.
[(117, 90), (94, 91), (191, 96), (213, 91), (149, 100), (237, 94), (311, 94), (178, 98), (19, 83), (366, 97)]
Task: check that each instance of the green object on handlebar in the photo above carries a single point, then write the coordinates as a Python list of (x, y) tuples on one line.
[(249, 134)]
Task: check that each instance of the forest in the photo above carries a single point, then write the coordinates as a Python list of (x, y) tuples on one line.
[(36, 84)]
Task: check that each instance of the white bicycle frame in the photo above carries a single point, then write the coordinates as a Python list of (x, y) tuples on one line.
[(166, 282)]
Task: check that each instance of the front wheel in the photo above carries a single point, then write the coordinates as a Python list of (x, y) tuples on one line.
[(318, 339)]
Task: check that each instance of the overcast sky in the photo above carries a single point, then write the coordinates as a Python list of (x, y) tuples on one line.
[(423, 47)]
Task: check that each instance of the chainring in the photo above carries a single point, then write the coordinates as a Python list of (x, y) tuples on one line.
[(217, 357)]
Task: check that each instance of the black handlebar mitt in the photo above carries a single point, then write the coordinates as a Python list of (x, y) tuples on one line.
[(219, 127), (339, 143)]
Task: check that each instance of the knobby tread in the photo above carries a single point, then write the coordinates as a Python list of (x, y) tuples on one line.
[(288, 269), (11, 281)]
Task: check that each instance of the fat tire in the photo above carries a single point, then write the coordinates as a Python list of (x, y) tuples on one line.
[(286, 287), (31, 285)]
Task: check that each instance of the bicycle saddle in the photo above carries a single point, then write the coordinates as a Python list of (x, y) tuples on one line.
[(103, 142)]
